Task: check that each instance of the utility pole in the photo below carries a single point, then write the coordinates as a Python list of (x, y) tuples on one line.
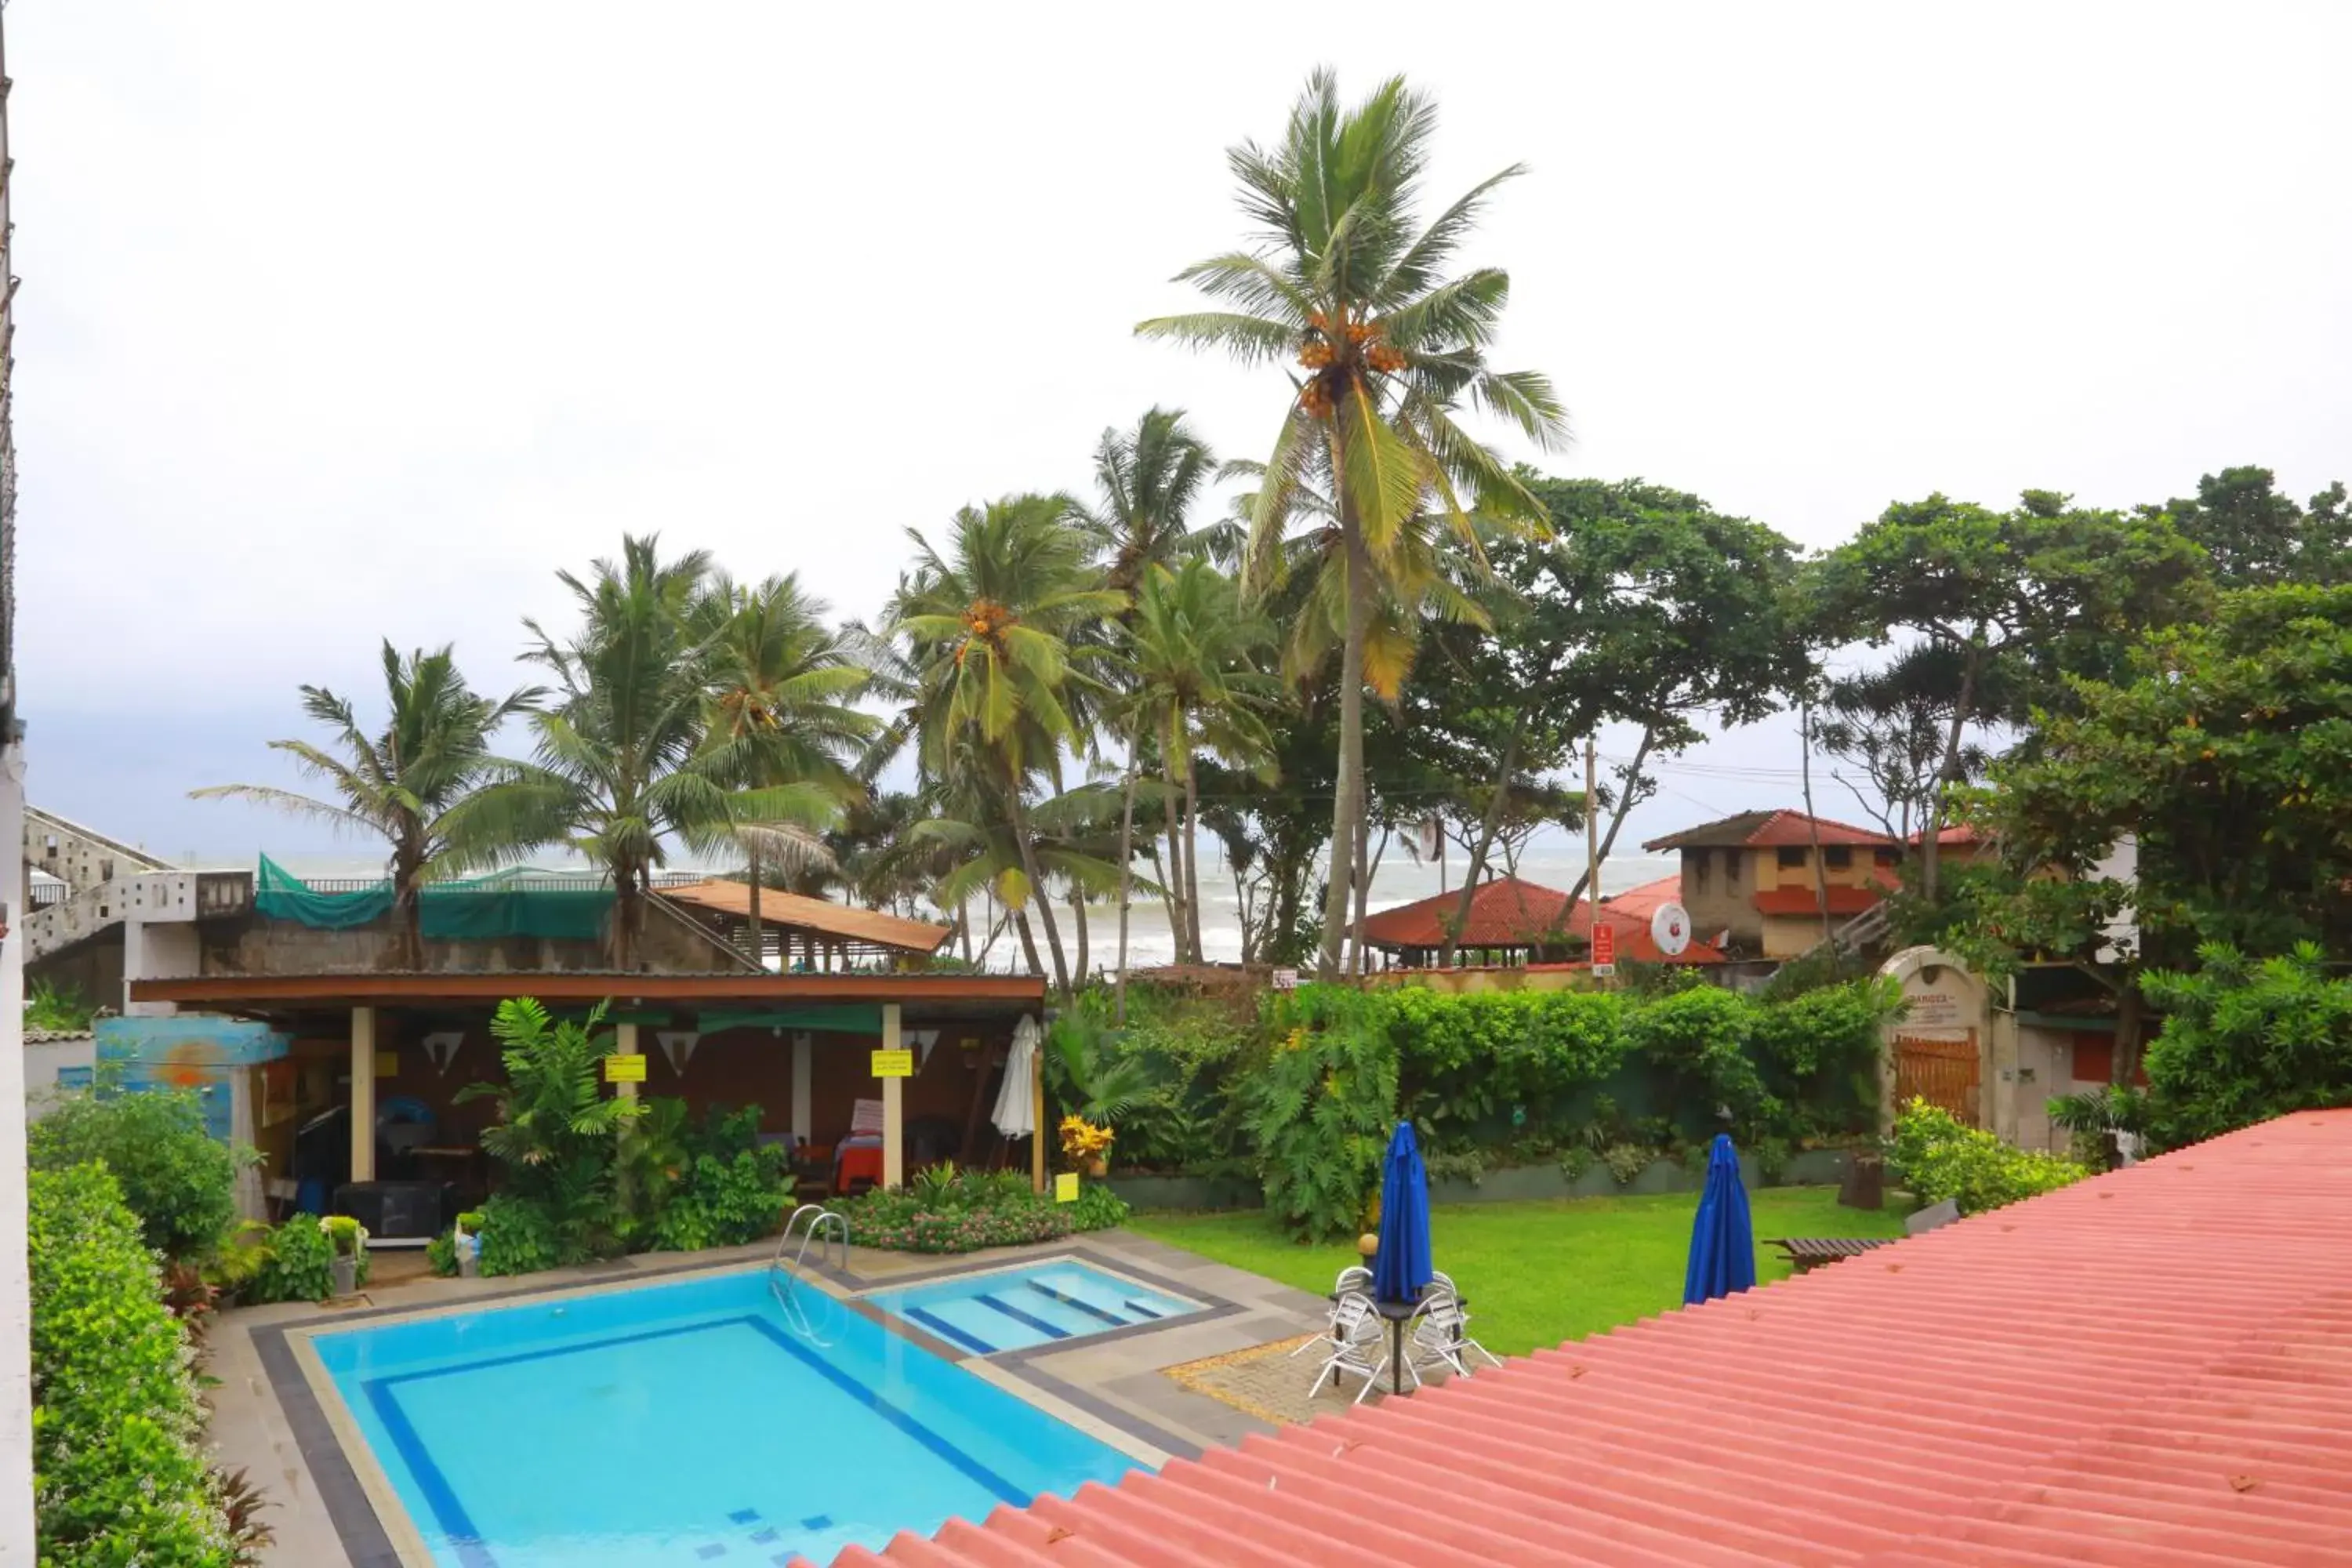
[(1592, 838)]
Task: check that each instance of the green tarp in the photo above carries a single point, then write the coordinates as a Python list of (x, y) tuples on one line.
[(489, 908)]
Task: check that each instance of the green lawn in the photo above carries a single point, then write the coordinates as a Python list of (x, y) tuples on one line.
[(1538, 1273)]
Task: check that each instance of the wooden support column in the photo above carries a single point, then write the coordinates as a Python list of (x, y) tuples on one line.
[(362, 1095), (624, 1043), (803, 1069), (893, 1107)]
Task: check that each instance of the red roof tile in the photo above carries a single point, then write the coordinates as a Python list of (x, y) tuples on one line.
[(1643, 902), (2152, 1369), (1806, 901), (1766, 830)]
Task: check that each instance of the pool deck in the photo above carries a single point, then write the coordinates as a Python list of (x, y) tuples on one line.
[(268, 1419)]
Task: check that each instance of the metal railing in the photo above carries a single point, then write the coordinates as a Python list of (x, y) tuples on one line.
[(829, 1233)]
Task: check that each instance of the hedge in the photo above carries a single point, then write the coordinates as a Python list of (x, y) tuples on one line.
[(119, 1474)]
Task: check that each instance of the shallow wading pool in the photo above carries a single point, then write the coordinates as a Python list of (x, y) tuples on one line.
[(1012, 1308), (684, 1424)]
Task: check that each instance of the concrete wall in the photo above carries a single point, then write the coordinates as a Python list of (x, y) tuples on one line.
[(1716, 902), (76, 1057), (256, 945)]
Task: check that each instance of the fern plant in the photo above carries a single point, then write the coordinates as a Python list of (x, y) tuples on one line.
[(557, 1132), (1321, 1109)]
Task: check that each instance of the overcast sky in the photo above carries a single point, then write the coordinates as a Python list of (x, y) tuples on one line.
[(343, 322)]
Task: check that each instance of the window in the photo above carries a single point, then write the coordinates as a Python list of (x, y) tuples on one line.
[(1887, 857), (1837, 856), (1731, 859), (1699, 859), (1792, 855)]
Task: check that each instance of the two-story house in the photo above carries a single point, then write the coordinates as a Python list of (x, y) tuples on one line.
[(1753, 875)]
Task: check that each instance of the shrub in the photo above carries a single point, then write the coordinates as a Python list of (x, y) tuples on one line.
[(897, 1221), (1936, 1157), (119, 1474), (2244, 1041), (441, 1254), (1627, 1160), (1097, 1208), (518, 1237), (1322, 1106), (297, 1263), (712, 1185), (177, 1178)]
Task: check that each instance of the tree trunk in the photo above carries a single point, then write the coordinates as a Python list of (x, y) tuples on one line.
[(1037, 895), (1078, 923), (1172, 879), (1193, 860), (963, 926), (1487, 825), (628, 902), (2125, 1058), (1813, 823), (1368, 865), (1028, 942), (1347, 797), (1930, 850), (1126, 877)]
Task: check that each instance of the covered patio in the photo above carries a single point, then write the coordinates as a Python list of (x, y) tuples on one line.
[(367, 1091)]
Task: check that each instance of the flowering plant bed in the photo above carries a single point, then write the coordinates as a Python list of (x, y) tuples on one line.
[(943, 1209)]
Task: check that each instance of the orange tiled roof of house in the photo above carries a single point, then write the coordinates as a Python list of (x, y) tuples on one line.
[(1768, 830)]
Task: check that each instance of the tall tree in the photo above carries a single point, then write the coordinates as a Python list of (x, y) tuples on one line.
[(411, 782), (1889, 725), (780, 691), (989, 621), (1146, 481), (2044, 590), (1347, 280), (623, 767), (2259, 538)]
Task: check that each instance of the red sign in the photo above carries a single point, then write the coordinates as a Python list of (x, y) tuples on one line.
[(1604, 945)]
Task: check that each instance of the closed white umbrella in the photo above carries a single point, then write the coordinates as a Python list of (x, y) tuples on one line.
[(1016, 1112)]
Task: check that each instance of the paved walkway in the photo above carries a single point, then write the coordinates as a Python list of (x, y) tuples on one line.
[(1115, 1385)]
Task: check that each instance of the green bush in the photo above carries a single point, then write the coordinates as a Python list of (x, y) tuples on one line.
[(1936, 1157), (297, 1263), (1184, 1053), (2244, 1041), (519, 1237), (1321, 1107), (899, 1222), (120, 1479), (177, 1178), (709, 1185), (441, 1254), (1097, 1208)]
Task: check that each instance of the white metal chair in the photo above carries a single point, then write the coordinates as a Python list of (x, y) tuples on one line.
[(1359, 1345), (1441, 1337), (1355, 1281)]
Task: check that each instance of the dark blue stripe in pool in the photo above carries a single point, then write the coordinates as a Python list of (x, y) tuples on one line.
[(1018, 1316)]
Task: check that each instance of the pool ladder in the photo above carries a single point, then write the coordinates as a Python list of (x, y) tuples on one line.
[(829, 1234)]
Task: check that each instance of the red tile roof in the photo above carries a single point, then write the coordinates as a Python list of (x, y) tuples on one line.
[(1504, 912), (1766, 830), (1806, 901), (1508, 913), (2151, 1369)]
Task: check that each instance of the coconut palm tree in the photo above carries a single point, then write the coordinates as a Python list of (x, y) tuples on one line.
[(409, 783), (1146, 481), (1196, 685), (1346, 279), (990, 623), (779, 712), (624, 766)]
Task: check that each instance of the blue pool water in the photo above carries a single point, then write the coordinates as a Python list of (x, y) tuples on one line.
[(1013, 1308), (682, 1425)]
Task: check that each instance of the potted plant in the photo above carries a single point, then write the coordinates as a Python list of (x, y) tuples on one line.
[(348, 1239), (1086, 1145), (468, 1240)]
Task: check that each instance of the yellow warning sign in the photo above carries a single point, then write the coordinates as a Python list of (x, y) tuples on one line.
[(628, 1068), (1065, 1187), (893, 1064)]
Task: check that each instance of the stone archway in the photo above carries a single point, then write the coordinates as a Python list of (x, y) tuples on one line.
[(1939, 1047)]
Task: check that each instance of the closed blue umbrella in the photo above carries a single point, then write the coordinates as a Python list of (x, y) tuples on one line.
[(1723, 1242), (1401, 1270)]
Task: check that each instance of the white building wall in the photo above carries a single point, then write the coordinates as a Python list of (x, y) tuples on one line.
[(16, 1285)]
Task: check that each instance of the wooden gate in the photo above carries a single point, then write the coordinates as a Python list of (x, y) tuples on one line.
[(1941, 1072)]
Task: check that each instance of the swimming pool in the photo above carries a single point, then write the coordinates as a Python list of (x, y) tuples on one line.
[(1012, 1309), (684, 1424)]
